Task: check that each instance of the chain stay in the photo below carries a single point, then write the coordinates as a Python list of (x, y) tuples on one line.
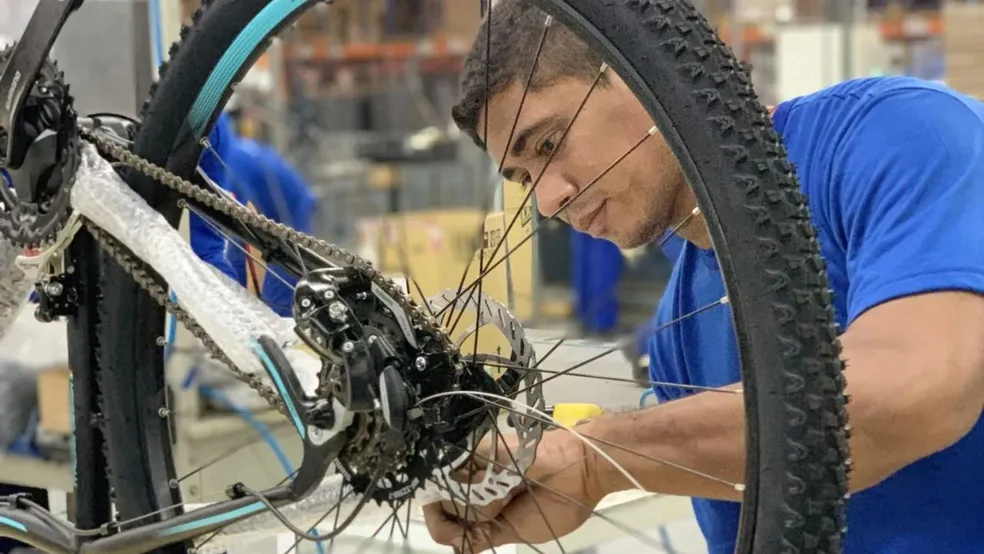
[(419, 317)]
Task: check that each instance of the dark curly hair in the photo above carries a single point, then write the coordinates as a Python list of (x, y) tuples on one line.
[(494, 65)]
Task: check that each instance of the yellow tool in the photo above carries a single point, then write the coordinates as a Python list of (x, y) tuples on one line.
[(571, 414)]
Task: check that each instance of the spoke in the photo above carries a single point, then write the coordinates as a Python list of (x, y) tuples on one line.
[(208, 539), (297, 254), (366, 542), (405, 262), (527, 482), (615, 379), (529, 194), (278, 196), (404, 529), (338, 511), (423, 298), (519, 111), (618, 346), (527, 238), (504, 403), (395, 516), (230, 452), (467, 525), (478, 306), (598, 304), (641, 537), (245, 250), (464, 530), (676, 228), (228, 170)]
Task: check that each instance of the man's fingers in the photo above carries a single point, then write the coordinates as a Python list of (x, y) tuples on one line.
[(444, 528), (446, 521)]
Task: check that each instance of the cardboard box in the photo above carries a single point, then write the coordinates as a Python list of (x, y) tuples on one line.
[(54, 402), (516, 199), (435, 248)]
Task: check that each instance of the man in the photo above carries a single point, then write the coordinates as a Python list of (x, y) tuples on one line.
[(894, 173), (255, 174)]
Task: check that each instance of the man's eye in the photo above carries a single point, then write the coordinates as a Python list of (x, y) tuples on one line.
[(546, 147)]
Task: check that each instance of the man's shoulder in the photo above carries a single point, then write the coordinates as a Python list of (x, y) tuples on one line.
[(855, 101)]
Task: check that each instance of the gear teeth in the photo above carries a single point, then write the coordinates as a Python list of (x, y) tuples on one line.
[(28, 225)]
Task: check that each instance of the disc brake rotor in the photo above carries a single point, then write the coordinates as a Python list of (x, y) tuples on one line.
[(496, 485)]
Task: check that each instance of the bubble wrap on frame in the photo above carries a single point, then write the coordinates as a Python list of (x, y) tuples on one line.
[(231, 317), (228, 313)]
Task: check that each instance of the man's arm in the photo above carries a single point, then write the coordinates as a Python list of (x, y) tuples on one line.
[(914, 340), (915, 389)]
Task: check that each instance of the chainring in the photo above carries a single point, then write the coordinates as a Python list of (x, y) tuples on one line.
[(48, 109)]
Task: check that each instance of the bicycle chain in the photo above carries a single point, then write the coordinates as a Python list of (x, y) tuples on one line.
[(157, 292), (419, 317)]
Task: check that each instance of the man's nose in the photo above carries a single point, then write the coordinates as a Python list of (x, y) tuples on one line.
[(552, 194)]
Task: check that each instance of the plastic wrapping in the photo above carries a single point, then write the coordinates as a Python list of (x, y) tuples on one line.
[(226, 311), (232, 318), (15, 286)]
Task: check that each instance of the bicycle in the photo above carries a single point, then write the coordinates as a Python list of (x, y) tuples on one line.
[(399, 403)]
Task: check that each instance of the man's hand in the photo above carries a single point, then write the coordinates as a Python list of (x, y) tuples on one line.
[(559, 494)]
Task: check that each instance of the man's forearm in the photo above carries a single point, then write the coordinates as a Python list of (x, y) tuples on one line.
[(894, 424), (690, 447)]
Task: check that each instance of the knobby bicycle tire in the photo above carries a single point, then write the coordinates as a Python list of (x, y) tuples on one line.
[(703, 103), (702, 100)]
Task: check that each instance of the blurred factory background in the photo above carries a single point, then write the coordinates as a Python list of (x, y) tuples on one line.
[(342, 95), (356, 99)]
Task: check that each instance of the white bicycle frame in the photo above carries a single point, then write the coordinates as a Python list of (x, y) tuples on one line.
[(232, 316)]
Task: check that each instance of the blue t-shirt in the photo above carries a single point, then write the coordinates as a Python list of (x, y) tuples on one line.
[(253, 173), (893, 169)]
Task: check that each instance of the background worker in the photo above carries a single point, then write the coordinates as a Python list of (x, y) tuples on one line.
[(256, 175)]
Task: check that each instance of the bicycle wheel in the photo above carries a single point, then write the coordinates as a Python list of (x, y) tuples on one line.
[(702, 103)]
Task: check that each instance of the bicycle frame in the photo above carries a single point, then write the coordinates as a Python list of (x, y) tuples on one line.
[(100, 191), (100, 195), (25, 521)]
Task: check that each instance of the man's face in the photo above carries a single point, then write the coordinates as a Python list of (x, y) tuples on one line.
[(634, 202)]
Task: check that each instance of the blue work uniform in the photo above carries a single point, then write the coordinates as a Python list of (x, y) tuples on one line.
[(255, 174), (893, 169)]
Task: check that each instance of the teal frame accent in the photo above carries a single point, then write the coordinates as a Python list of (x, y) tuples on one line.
[(247, 510), (15, 524)]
